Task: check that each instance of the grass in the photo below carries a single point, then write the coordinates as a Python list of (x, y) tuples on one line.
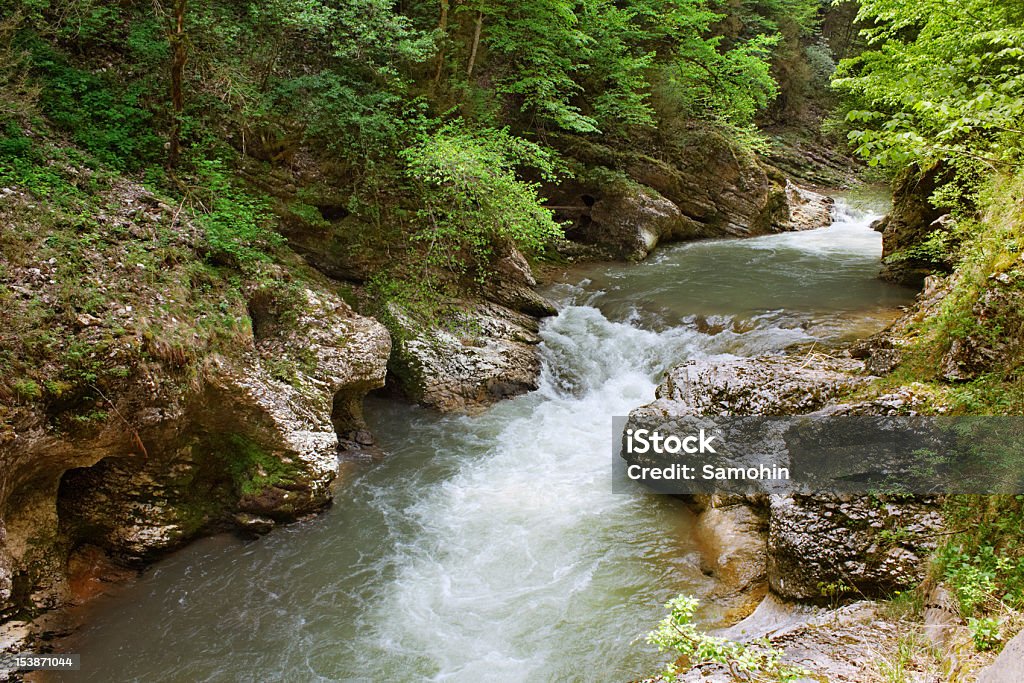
[(910, 657), (104, 278)]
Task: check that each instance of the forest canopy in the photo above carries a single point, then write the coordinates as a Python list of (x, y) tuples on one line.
[(369, 87)]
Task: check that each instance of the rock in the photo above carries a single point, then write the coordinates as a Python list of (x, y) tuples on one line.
[(909, 224), (6, 570), (818, 546), (828, 548), (843, 645), (767, 385), (695, 184), (807, 209), (941, 617), (731, 539), (1009, 665), (882, 361), (251, 525), (631, 220), (484, 353), (725, 189), (255, 431), (1001, 306), (512, 284)]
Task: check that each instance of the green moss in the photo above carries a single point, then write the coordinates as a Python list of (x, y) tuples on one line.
[(253, 469)]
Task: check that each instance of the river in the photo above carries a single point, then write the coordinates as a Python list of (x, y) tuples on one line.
[(491, 548)]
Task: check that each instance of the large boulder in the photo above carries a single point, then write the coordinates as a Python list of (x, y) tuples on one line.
[(726, 189), (629, 220), (807, 209), (808, 547), (478, 354), (766, 385), (698, 184)]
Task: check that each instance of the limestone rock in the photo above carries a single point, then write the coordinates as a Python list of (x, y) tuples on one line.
[(821, 547), (483, 353), (630, 221), (512, 286), (807, 209), (695, 184), (1009, 665), (256, 432), (1000, 305), (767, 385), (911, 222), (732, 544), (725, 189), (941, 617), (816, 546)]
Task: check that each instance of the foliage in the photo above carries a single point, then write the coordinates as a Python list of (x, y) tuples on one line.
[(985, 633), (989, 247), (984, 562), (236, 222), (473, 204), (20, 93), (899, 666), (110, 124), (586, 67), (758, 660), (941, 80)]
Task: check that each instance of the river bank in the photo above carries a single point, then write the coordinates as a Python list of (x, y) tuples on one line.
[(475, 521)]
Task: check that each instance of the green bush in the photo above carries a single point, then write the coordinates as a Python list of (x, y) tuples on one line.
[(985, 633), (237, 223), (984, 563), (758, 660), (473, 203)]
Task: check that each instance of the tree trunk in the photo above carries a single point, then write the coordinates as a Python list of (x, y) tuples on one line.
[(179, 57), (442, 26), (476, 44)]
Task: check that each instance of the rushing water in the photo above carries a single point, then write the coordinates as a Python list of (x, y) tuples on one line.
[(491, 548)]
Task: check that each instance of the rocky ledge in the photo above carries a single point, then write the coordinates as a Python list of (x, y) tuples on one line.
[(177, 395), (694, 187), (251, 440), (811, 549)]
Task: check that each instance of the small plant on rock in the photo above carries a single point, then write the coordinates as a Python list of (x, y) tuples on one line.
[(755, 661), (985, 632)]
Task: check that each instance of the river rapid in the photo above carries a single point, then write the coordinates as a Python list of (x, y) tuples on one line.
[(491, 548)]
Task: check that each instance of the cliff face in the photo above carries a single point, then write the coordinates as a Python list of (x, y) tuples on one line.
[(699, 186), (909, 225), (169, 426)]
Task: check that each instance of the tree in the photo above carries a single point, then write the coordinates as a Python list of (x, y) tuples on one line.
[(941, 80), (472, 202)]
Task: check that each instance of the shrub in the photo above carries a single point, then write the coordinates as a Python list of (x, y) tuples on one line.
[(472, 198), (745, 661)]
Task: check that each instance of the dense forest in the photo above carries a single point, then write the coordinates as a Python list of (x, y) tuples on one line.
[(435, 121), (176, 173)]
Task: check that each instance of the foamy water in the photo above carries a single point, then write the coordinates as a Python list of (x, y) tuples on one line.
[(491, 548)]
